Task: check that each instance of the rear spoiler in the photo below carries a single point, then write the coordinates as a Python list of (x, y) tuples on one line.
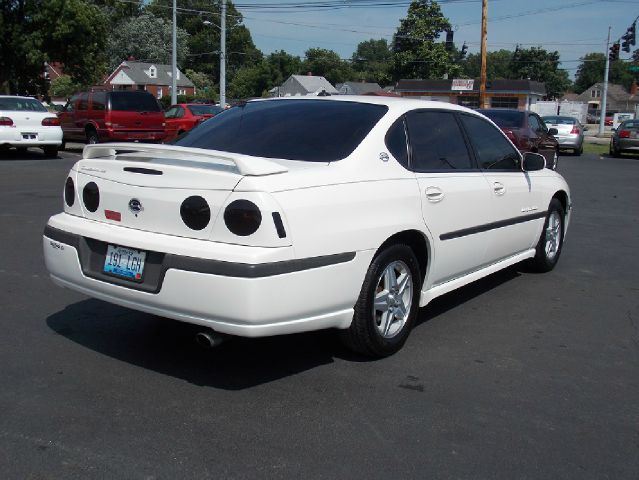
[(242, 164)]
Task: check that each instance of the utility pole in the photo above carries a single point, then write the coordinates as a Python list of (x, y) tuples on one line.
[(223, 56), (174, 57), (484, 35), (602, 113)]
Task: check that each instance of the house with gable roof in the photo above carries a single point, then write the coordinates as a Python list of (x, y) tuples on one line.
[(299, 85), (152, 77)]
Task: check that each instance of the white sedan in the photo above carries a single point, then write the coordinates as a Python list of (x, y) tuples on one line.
[(288, 215), (25, 122)]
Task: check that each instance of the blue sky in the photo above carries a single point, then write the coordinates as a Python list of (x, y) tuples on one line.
[(573, 27)]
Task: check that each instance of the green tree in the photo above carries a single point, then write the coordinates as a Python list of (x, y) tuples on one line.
[(257, 80), (36, 31), (146, 38), (328, 64), (497, 65), (538, 64), (63, 86), (204, 36), (371, 61), (591, 70), (416, 51), (204, 85)]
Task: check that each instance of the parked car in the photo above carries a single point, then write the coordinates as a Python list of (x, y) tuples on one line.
[(570, 132), (107, 116), (625, 138), (289, 215), (608, 120), (183, 117), (25, 122), (527, 131)]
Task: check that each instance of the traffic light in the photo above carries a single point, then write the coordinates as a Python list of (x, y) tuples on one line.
[(464, 49), (614, 52), (629, 38), (449, 40)]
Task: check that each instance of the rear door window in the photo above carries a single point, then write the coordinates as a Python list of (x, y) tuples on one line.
[(308, 130), (397, 143), (492, 150), (436, 142), (99, 101), (83, 104)]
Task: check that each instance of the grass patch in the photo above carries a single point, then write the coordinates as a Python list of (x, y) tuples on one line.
[(596, 148)]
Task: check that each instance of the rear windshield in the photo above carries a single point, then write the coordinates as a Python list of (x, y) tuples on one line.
[(633, 124), (505, 118), (133, 102), (204, 109), (309, 130), (21, 104), (559, 120)]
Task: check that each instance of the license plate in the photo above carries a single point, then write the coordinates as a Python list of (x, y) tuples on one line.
[(124, 262)]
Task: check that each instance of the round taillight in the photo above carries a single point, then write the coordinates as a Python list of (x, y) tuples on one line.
[(242, 217), (195, 212), (91, 196), (69, 192)]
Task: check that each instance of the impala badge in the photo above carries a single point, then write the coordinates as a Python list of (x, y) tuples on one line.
[(135, 206)]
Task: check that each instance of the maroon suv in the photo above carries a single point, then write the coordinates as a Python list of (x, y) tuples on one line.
[(527, 131), (109, 116)]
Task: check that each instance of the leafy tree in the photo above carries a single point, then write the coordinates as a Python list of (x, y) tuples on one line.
[(63, 86), (205, 88), (256, 81), (371, 61), (204, 36), (591, 70), (146, 38), (36, 31), (538, 64), (416, 51), (328, 64), (497, 65)]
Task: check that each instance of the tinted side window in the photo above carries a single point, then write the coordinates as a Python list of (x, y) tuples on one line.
[(83, 104), (70, 106), (436, 142), (534, 123), (396, 142), (179, 113), (133, 102), (99, 100), (493, 150)]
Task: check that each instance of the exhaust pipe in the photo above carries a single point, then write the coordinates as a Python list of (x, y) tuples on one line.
[(209, 339)]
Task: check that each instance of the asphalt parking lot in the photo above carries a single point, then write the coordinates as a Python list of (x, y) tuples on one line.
[(519, 375)]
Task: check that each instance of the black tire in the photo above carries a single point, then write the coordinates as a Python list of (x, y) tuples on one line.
[(50, 151), (579, 151), (364, 336), (63, 147), (545, 261), (614, 152), (92, 136)]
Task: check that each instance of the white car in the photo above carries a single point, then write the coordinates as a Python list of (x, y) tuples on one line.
[(288, 215), (25, 122)]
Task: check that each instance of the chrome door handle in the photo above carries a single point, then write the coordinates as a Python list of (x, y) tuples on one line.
[(434, 194), (499, 188)]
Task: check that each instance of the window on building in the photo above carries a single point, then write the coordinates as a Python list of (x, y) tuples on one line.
[(153, 72), (159, 95), (504, 102), (470, 102)]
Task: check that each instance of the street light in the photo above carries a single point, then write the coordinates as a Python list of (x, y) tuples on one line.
[(222, 53)]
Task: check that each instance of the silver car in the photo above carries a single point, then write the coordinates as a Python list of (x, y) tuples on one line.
[(625, 138), (570, 132)]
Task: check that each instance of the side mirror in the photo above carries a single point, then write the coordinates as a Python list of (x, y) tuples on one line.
[(586, 129), (553, 131), (613, 129), (533, 162)]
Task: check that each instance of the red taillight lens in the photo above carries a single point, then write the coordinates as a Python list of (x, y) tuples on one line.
[(575, 130), (6, 122), (51, 122), (624, 134)]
